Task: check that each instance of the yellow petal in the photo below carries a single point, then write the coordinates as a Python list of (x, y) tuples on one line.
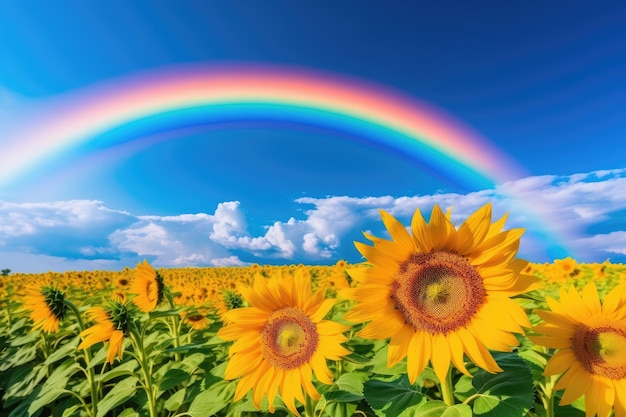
[(398, 232), (440, 357), (399, 345), (421, 236), (440, 228), (418, 354), (559, 362), (473, 231)]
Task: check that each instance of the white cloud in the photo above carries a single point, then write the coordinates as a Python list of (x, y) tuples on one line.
[(86, 232), (229, 261), (613, 243)]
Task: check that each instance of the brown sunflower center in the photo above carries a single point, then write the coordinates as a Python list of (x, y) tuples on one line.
[(438, 291), (601, 350), (195, 318), (289, 338)]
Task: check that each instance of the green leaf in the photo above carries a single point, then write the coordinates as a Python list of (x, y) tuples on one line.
[(440, 409), (165, 313), (28, 338), (21, 409), (99, 357), (175, 400), (68, 349), (464, 389), (191, 362), (19, 356), (336, 409), (172, 378), (71, 411), (124, 369), (458, 410), (119, 394), (22, 383), (506, 394), (128, 412), (352, 382), (214, 399), (356, 358), (186, 348), (380, 364), (340, 396), (390, 399), (54, 386)]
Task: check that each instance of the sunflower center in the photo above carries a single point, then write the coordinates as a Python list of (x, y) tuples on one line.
[(601, 350), (289, 338), (195, 317), (438, 291)]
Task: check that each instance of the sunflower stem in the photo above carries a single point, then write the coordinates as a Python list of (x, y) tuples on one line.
[(549, 393), (91, 377), (309, 406), (446, 389), (137, 338), (175, 324), (176, 330)]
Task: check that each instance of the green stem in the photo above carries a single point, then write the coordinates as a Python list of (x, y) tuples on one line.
[(549, 396), (471, 398), (446, 389), (145, 370), (81, 401), (91, 377), (175, 324), (309, 406), (176, 330)]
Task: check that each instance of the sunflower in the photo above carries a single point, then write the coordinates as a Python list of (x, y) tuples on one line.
[(281, 339), (147, 286), (441, 292), (112, 323), (591, 340), (196, 318), (47, 307), (226, 301)]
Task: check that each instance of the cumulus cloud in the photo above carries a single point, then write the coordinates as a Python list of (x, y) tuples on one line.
[(611, 243), (555, 210)]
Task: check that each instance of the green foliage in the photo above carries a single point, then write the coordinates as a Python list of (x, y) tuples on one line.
[(170, 370)]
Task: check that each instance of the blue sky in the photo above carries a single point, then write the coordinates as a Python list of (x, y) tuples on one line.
[(544, 83)]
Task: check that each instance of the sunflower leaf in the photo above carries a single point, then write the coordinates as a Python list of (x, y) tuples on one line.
[(175, 400), (440, 409), (124, 369), (506, 394), (391, 399), (119, 394), (171, 379), (216, 397), (54, 386), (63, 352)]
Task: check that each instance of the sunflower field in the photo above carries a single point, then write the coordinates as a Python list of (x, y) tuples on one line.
[(439, 320)]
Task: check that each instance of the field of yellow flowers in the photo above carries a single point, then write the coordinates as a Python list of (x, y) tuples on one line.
[(439, 320)]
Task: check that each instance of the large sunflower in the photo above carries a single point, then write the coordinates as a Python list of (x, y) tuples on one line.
[(47, 307), (281, 339), (591, 342), (440, 291), (147, 286), (112, 323)]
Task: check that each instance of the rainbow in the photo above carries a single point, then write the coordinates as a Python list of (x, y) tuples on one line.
[(175, 99), (146, 104)]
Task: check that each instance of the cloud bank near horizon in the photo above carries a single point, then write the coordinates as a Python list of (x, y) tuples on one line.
[(588, 210)]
